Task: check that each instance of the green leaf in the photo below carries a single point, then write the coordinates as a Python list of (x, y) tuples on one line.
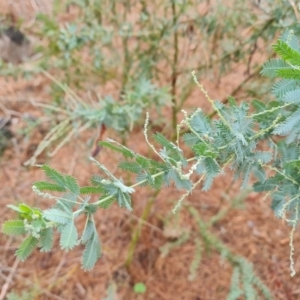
[(143, 161), (180, 183), (72, 185), (278, 201), (90, 209), (289, 73), (48, 186), (57, 215), (163, 141), (132, 167), (54, 175), (247, 280), (124, 200), (69, 236), (88, 231), (26, 248), (92, 190), (287, 53), (91, 252), (211, 166), (14, 227), (117, 147), (190, 139), (96, 180), (123, 188), (208, 181), (292, 96), (264, 186), (46, 240), (247, 168), (37, 225), (263, 156), (259, 105), (139, 288), (68, 200), (15, 208), (287, 126), (235, 292), (259, 173), (203, 149), (289, 38), (272, 66), (282, 87), (26, 209), (106, 204), (200, 123)]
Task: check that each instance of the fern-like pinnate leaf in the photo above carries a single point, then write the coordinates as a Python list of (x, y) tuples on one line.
[(288, 37), (88, 231), (289, 73), (289, 123), (180, 182), (287, 53), (46, 240), (169, 149), (96, 180), (14, 227), (69, 200), (268, 185), (211, 166), (259, 173), (117, 147), (107, 203), (69, 236), (48, 186), (124, 200), (247, 280), (292, 96), (263, 156), (273, 66), (143, 162), (54, 175), (61, 183), (190, 139), (71, 184), (201, 123), (282, 87), (91, 253), (278, 201), (92, 190), (132, 167), (26, 247), (235, 291), (57, 215)]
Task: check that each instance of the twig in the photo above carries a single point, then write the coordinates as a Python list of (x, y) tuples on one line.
[(41, 290), (34, 5), (174, 66), (294, 6), (137, 231), (237, 89), (9, 279)]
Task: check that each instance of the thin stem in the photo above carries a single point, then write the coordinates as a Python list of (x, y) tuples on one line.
[(174, 66), (137, 231), (136, 184), (209, 99)]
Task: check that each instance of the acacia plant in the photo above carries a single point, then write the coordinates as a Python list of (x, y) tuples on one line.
[(230, 141)]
